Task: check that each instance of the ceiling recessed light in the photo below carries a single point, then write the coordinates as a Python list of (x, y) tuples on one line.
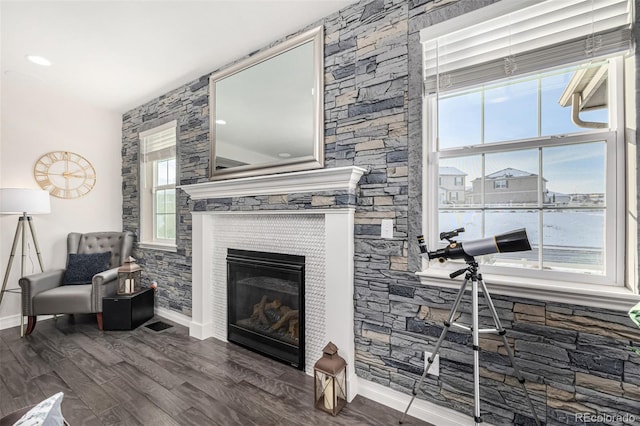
[(221, 122), (39, 60), (284, 155)]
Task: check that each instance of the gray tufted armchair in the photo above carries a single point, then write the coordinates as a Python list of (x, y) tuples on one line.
[(44, 294)]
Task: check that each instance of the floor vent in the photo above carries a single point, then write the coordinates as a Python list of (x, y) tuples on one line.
[(158, 326)]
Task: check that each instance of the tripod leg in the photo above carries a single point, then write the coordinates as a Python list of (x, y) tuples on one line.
[(502, 334), (35, 242), (13, 253), (476, 352), (24, 245), (447, 324)]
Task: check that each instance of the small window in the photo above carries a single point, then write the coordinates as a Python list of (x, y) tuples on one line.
[(458, 181), (158, 185), (501, 184)]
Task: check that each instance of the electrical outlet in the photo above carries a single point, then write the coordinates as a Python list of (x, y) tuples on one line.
[(386, 228), (435, 366)]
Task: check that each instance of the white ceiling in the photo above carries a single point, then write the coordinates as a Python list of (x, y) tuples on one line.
[(120, 54)]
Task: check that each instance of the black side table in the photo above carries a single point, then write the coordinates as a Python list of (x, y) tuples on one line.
[(127, 311)]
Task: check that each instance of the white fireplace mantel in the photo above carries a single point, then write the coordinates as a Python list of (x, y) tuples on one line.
[(330, 179)]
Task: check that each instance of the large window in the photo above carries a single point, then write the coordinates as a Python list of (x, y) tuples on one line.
[(158, 186), (535, 124)]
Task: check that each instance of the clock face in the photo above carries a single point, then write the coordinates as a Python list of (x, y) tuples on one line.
[(64, 174)]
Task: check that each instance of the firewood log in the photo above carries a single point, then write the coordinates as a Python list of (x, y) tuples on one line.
[(284, 320), (260, 308), (294, 325)]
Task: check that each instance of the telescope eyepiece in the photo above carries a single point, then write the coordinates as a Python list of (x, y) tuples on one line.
[(422, 244)]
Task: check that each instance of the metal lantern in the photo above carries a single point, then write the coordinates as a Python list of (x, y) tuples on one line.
[(330, 381), (129, 277)]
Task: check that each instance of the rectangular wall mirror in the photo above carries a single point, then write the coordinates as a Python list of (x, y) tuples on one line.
[(267, 112)]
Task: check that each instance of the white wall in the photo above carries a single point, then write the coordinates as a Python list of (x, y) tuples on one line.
[(35, 120)]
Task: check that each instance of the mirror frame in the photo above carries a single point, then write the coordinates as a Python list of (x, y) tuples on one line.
[(312, 161)]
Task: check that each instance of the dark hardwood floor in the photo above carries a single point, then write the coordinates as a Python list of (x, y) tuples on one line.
[(143, 377)]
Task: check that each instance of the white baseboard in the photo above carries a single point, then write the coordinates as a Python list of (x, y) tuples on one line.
[(9, 321), (421, 409), (173, 316), (14, 321), (199, 331)]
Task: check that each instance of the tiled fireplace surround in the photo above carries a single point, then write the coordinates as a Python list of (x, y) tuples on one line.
[(323, 235)]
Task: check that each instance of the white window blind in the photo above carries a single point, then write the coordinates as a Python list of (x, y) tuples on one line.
[(532, 36), (159, 143)]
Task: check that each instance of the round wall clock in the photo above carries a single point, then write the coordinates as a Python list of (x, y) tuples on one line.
[(64, 174)]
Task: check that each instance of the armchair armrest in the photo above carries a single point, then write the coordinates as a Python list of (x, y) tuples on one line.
[(37, 283), (104, 284), (105, 276)]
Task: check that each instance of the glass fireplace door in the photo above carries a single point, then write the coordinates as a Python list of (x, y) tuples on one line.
[(266, 303)]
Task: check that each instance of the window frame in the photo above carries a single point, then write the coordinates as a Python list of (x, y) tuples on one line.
[(154, 191), (614, 138), (148, 189), (520, 281)]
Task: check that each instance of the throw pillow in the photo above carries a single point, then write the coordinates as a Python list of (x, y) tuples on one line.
[(47, 413), (82, 267)]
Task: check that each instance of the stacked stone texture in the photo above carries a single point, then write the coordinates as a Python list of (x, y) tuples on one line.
[(575, 359)]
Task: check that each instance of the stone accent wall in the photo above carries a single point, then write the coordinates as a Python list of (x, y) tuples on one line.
[(575, 359), (189, 105)]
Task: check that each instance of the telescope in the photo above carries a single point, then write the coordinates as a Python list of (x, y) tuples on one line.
[(507, 242)]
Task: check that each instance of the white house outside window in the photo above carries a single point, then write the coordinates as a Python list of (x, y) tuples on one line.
[(529, 107), (158, 183)]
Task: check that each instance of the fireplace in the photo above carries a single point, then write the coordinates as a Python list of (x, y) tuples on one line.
[(265, 312), (324, 236)]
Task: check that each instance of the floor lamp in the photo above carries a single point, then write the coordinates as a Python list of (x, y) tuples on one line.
[(24, 202)]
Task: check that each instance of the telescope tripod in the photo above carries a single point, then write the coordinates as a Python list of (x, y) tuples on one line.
[(476, 280)]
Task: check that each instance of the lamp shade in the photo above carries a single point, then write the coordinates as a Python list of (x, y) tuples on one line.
[(24, 200)]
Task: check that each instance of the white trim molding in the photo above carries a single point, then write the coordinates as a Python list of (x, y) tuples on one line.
[(615, 298), (157, 246), (10, 321), (173, 316), (329, 179), (421, 409), (14, 321)]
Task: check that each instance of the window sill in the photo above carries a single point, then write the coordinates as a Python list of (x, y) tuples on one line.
[(158, 246), (599, 296)]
